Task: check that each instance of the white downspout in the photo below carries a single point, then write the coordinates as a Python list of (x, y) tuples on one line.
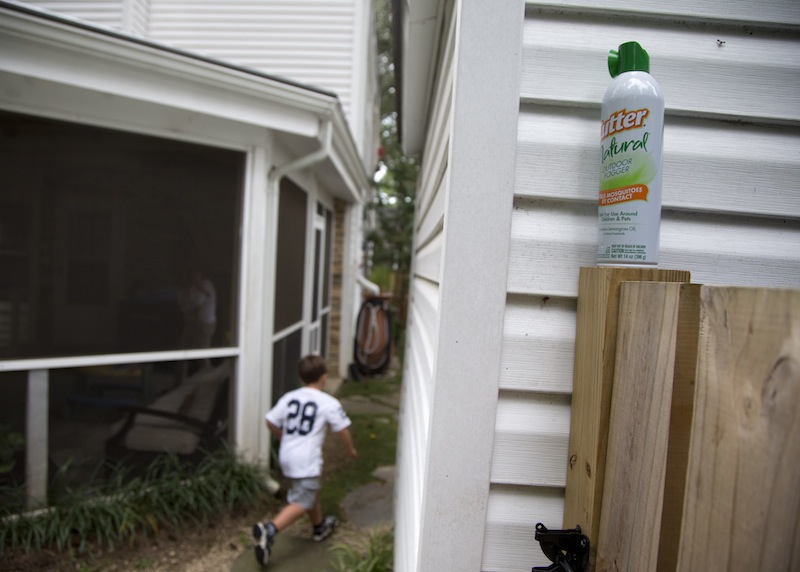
[(370, 287), (325, 139)]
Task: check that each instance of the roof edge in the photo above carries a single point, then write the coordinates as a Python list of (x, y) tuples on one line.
[(421, 23), (260, 99), (65, 20)]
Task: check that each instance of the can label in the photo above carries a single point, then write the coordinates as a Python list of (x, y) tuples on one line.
[(629, 203)]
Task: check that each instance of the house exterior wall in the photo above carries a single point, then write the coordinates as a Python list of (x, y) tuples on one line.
[(108, 13), (136, 15), (55, 69), (463, 214), (422, 321), (731, 216), (330, 44), (325, 43)]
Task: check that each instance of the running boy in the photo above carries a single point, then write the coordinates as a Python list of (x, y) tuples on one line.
[(300, 421)]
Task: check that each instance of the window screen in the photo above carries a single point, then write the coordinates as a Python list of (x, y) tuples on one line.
[(290, 270), (99, 232)]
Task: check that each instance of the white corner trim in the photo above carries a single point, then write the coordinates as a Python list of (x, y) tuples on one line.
[(473, 283)]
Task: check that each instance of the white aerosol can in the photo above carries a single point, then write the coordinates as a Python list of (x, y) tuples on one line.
[(631, 139)]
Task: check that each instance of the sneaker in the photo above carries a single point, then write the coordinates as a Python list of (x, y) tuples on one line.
[(326, 528), (265, 536)]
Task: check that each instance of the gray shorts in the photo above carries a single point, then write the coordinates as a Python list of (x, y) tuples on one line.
[(303, 492)]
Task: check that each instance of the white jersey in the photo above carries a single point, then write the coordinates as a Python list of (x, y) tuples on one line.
[(304, 415)]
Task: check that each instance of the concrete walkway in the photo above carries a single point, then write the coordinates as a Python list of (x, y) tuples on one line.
[(367, 507), (290, 553)]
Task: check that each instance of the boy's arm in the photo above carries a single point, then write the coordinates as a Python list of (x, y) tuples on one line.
[(347, 439), (276, 431)]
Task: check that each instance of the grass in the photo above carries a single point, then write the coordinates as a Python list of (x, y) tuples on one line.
[(375, 438), (376, 442), (371, 388), (377, 556)]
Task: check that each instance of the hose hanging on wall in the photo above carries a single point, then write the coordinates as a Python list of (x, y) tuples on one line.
[(373, 344)]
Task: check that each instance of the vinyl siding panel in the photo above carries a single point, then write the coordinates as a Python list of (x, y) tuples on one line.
[(538, 344), (429, 260), (423, 325), (769, 12), (551, 240), (328, 44), (511, 519), (558, 147), (109, 14), (434, 167), (731, 207), (422, 334), (531, 438), (432, 221), (138, 17), (564, 59), (308, 41)]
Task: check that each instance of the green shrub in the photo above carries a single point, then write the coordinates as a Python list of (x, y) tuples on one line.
[(10, 443), (377, 556), (168, 493)]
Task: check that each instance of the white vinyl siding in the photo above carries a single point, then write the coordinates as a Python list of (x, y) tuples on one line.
[(538, 344), (109, 14), (137, 17), (731, 216), (567, 136), (508, 522), (75, 73), (731, 207), (422, 331), (327, 44), (308, 41), (464, 205)]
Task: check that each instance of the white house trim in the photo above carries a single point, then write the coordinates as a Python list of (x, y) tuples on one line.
[(256, 292), (61, 68), (147, 72), (730, 215), (421, 34), (480, 199)]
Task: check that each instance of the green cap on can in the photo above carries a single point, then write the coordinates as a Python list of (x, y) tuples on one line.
[(630, 57)]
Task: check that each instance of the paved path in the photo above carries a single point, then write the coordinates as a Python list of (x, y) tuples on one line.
[(369, 506), (290, 553)]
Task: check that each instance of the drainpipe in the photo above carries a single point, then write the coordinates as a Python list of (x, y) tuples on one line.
[(325, 139)]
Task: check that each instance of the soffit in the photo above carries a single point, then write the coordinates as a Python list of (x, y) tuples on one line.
[(38, 46)]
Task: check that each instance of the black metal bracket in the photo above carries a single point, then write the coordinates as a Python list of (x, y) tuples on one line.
[(568, 550)]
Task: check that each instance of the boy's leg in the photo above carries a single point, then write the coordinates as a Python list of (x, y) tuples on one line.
[(265, 533), (300, 497), (288, 515), (323, 527), (315, 513), (265, 536)]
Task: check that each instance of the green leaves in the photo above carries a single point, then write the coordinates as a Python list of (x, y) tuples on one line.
[(10, 443), (390, 235), (124, 506), (377, 556)]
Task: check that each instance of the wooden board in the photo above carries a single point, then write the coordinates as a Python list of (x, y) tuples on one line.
[(638, 427), (680, 425), (742, 500), (595, 348)]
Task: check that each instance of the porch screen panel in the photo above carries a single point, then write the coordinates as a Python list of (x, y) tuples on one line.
[(284, 366), (100, 231), (290, 267), (326, 286)]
